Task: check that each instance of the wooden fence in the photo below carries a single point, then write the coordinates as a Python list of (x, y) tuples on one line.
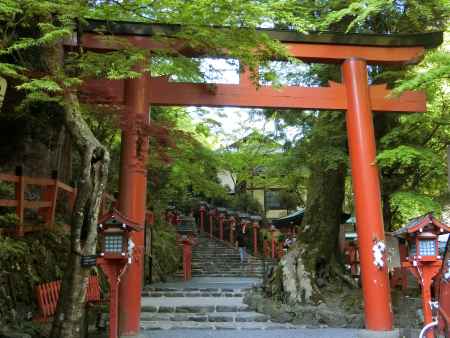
[(47, 202)]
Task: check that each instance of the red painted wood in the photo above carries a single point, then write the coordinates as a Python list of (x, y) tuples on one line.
[(65, 187), (20, 197), (211, 225), (39, 181), (47, 296), (165, 93), (202, 219), (187, 259), (366, 186), (132, 198), (8, 178), (308, 52), (37, 204), (444, 296), (221, 220), (255, 238), (8, 203)]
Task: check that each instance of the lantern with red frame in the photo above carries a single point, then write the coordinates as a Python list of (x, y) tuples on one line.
[(116, 250), (114, 235), (424, 260)]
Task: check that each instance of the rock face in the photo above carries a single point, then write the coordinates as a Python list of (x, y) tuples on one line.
[(320, 315)]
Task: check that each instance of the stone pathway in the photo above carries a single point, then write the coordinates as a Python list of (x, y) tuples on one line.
[(202, 303), (275, 333), (215, 258)]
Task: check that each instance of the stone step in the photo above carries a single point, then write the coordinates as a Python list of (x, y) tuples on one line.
[(229, 317), (223, 275), (225, 269), (203, 309), (189, 289), (191, 294), (189, 325)]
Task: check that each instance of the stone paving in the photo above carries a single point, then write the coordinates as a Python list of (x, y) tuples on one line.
[(272, 333), (202, 303)]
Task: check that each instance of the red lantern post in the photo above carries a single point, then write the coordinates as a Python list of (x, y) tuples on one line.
[(424, 260), (187, 258), (116, 256), (272, 231), (211, 223), (255, 224), (232, 229), (221, 220), (202, 218)]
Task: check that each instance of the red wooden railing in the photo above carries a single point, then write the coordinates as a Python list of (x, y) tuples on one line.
[(223, 227), (47, 296), (46, 205)]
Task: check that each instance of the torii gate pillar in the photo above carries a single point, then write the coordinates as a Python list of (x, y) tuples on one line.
[(132, 198), (366, 186)]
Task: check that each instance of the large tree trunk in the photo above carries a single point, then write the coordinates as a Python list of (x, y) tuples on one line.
[(91, 184), (312, 262)]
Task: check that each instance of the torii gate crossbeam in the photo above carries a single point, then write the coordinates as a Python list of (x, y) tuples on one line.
[(352, 52)]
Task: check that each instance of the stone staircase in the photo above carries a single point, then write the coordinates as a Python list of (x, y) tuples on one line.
[(200, 308), (214, 258), (213, 299)]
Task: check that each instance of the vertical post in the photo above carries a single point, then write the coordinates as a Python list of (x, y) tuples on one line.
[(132, 197), (113, 309), (72, 198), (221, 219), (187, 259), (202, 218), (273, 242), (232, 228), (426, 299), (403, 253), (20, 197), (53, 196), (255, 238), (366, 186), (211, 222)]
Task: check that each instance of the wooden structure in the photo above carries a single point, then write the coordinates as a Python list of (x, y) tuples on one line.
[(443, 294), (353, 52), (46, 204), (424, 260), (117, 253), (47, 296)]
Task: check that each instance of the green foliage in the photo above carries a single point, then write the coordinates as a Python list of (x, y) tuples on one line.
[(405, 159), (167, 255), (246, 203), (24, 263), (8, 220), (10, 248), (408, 204)]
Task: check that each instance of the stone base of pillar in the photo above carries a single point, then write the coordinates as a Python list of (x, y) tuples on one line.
[(378, 334)]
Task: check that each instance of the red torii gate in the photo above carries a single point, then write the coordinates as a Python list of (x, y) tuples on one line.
[(352, 51)]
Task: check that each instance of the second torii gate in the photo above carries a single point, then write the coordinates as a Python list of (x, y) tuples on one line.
[(354, 95)]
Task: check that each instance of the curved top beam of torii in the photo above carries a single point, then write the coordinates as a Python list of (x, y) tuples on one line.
[(313, 47)]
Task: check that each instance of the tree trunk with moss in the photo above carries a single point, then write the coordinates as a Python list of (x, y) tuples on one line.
[(91, 184), (313, 262)]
